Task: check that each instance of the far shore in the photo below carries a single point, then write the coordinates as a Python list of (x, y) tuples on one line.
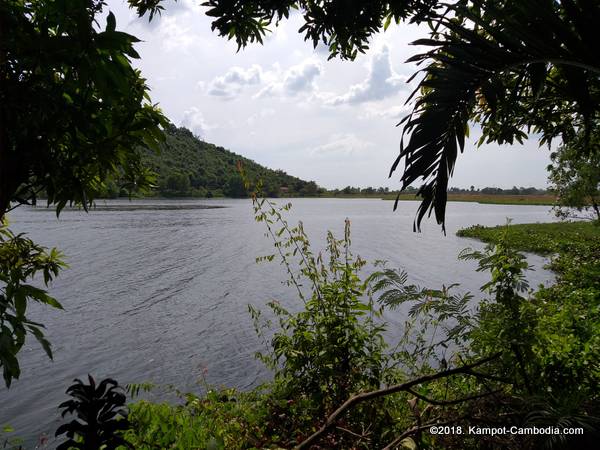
[(494, 199)]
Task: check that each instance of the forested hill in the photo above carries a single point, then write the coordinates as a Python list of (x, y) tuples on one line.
[(187, 166)]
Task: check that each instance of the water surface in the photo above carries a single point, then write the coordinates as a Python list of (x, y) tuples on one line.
[(157, 290)]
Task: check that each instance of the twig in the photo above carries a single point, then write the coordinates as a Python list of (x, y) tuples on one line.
[(359, 436), (359, 398)]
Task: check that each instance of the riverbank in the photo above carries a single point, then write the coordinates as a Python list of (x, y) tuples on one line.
[(491, 199), (498, 199), (541, 238)]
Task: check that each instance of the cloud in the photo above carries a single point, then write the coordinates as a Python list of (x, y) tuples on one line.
[(288, 83), (299, 78), (342, 146), (193, 120), (179, 6), (393, 113), (231, 84), (382, 82), (174, 36)]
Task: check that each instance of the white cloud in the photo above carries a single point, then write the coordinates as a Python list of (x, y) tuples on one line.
[(178, 6), (392, 113), (382, 82), (298, 78), (173, 35), (301, 78), (194, 120), (288, 83), (342, 146), (231, 84)]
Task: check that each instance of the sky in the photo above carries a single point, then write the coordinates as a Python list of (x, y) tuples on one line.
[(284, 105)]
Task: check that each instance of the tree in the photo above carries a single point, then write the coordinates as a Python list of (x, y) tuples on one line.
[(178, 183), (73, 110), (310, 188), (575, 176), (235, 187), (513, 67)]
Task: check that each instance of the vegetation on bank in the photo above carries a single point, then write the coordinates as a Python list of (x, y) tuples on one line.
[(542, 238), (568, 312), (495, 199)]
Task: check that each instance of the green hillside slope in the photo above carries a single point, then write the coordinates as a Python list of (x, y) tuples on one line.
[(189, 167)]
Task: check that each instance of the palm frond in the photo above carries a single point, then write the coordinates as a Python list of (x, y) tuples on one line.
[(534, 69)]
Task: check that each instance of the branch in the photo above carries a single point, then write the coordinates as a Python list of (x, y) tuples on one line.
[(359, 436), (359, 398)]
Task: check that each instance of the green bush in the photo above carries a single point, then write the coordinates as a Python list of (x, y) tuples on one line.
[(333, 347), (222, 419)]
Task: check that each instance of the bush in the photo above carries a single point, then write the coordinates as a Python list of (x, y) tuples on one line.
[(334, 346)]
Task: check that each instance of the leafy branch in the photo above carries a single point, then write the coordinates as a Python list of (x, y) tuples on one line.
[(366, 396), (21, 260)]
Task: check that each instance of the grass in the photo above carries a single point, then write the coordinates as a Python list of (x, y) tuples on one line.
[(542, 238), (544, 199)]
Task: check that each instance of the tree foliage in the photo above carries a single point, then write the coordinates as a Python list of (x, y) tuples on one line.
[(73, 110), (575, 176), (510, 66)]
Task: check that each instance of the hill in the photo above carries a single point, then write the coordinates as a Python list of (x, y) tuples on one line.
[(189, 167)]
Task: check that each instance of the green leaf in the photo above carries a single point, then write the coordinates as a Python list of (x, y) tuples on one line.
[(387, 22), (42, 340), (111, 22), (20, 302)]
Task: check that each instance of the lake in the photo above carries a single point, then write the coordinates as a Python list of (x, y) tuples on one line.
[(157, 290)]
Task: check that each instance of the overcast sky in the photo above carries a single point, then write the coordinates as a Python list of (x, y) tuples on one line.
[(285, 106)]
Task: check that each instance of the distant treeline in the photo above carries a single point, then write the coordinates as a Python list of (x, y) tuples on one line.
[(371, 191), (499, 191)]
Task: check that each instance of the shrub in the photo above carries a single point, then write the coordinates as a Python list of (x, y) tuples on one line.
[(334, 346)]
